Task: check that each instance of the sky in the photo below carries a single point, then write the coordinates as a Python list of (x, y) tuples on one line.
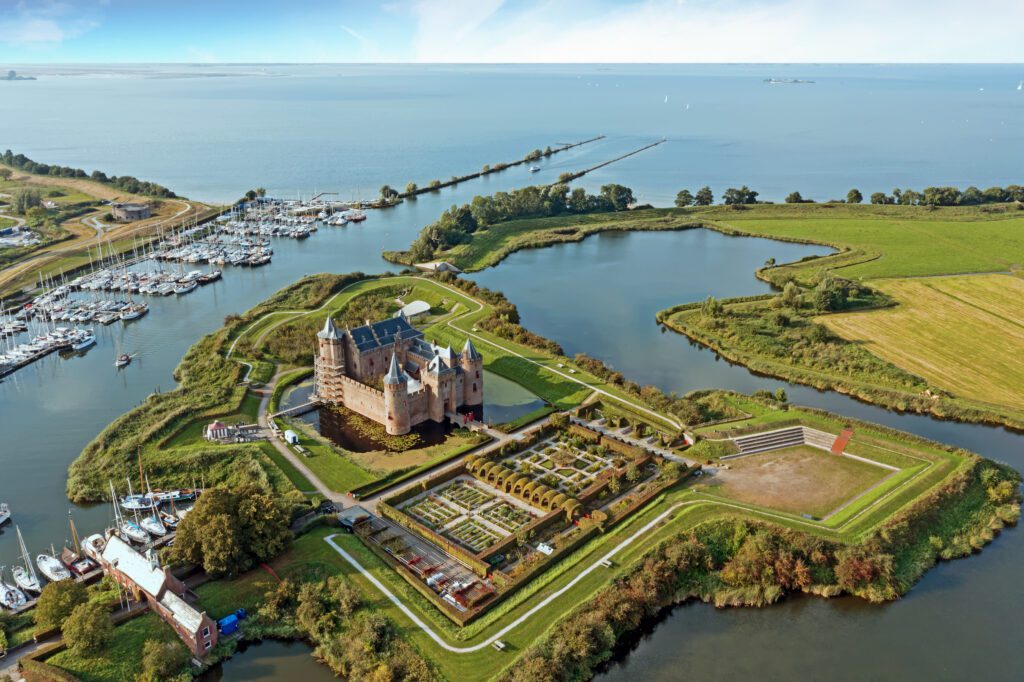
[(489, 31)]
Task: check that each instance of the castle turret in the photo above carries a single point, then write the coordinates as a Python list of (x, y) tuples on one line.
[(330, 362), (472, 364), (396, 400)]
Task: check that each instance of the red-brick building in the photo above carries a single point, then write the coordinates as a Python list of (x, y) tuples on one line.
[(143, 576)]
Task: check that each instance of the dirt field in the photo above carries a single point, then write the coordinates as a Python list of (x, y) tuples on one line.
[(801, 480), (963, 334)]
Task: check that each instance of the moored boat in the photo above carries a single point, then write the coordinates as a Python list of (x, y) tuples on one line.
[(5, 513), (11, 597), (134, 532), (52, 568), (93, 546), (25, 576), (123, 360), (85, 341)]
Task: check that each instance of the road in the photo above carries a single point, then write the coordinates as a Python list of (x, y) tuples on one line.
[(46, 254)]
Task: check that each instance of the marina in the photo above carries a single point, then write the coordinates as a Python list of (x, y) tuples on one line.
[(112, 291), (78, 559)]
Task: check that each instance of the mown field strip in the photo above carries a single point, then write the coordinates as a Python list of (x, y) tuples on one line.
[(962, 334)]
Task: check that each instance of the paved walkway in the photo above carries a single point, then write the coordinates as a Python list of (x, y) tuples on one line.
[(283, 448)]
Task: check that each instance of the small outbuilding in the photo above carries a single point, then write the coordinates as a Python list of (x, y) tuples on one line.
[(414, 309), (126, 213), (291, 437)]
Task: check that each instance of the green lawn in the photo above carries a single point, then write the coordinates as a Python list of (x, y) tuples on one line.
[(297, 478), (905, 247), (121, 660)]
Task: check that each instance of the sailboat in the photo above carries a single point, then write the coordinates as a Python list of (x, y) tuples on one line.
[(25, 576), (152, 524), (10, 596), (73, 557), (131, 531), (50, 566)]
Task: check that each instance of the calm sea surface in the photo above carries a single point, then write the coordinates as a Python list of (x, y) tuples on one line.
[(212, 132)]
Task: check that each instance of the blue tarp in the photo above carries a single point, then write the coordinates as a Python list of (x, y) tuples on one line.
[(228, 624)]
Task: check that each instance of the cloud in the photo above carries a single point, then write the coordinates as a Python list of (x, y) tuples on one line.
[(41, 24), (717, 31)]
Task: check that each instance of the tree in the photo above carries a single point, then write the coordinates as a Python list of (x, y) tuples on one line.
[(88, 627), (791, 295), (770, 263), (632, 472), (879, 198), (831, 294), (794, 198), (780, 395), (25, 199), (704, 197), (712, 307), (57, 600), (251, 195), (411, 188), (995, 195), (387, 193), (971, 196), (735, 197), (684, 198), (619, 196), (261, 192), (854, 196), (229, 532), (162, 660)]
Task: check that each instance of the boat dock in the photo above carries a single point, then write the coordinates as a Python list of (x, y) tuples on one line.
[(97, 573)]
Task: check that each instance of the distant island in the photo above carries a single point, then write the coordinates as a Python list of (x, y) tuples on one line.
[(785, 81), (13, 76)]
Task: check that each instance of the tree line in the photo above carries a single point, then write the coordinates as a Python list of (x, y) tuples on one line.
[(457, 224), (125, 183), (930, 196)]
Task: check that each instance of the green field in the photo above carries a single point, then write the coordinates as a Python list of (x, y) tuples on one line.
[(901, 247)]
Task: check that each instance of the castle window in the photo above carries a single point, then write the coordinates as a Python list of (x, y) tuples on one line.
[(206, 632), (477, 376), (474, 385)]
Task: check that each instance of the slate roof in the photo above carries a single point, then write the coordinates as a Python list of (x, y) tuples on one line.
[(383, 333), (395, 375), (134, 565), (469, 350)]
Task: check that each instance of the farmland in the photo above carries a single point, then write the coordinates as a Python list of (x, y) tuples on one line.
[(963, 334)]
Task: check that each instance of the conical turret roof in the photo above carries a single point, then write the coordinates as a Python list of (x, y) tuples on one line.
[(395, 374), (469, 350), (330, 331)]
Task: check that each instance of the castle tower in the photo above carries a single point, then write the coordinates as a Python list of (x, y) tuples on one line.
[(396, 400), (472, 364), (330, 363)]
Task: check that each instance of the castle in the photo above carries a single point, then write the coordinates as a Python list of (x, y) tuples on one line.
[(420, 380)]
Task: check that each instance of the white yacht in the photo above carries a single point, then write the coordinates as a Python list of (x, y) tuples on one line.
[(5, 513), (25, 576), (11, 597), (50, 566)]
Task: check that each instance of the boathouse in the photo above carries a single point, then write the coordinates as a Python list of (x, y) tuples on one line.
[(142, 576)]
